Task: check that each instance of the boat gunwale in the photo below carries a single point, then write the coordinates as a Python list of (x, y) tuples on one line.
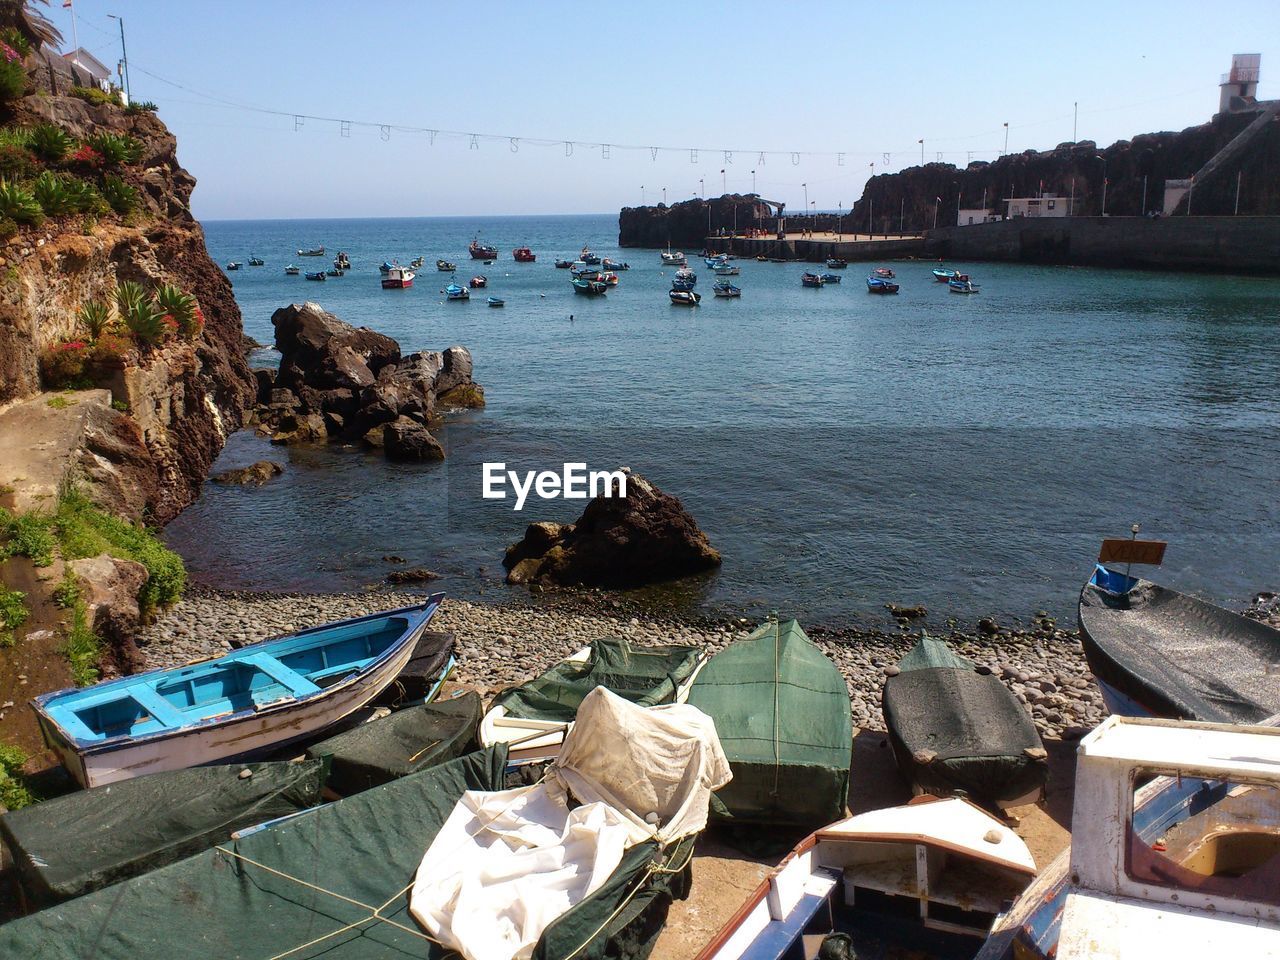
[(85, 748)]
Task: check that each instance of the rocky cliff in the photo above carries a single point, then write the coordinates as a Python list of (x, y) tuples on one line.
[(687, 223), (907, 199), (181, 395)]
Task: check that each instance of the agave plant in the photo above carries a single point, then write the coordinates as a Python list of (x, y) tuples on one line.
[(140, 313), (95, 317), (17, 203), (179, 305), (50, 191), (121, 197), (51, 144), (116, 150), (84, 196)]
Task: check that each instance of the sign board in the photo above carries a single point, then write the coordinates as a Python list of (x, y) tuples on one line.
[(1132, 551)]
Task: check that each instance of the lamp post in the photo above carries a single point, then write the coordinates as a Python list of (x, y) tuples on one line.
[(959, 199), (806, 197), (921, 142), (642, 194), (753, 181), (840, 214), (664, 196), (724, 183), (936, 202), (1006, 140), (124, 56), (1103, 160)]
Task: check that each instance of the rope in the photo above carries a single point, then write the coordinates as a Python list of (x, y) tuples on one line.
[(375, 913)]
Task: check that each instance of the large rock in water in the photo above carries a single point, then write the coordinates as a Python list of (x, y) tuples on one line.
[(645, 537)]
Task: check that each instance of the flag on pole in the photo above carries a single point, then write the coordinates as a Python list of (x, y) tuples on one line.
[(66, 4)]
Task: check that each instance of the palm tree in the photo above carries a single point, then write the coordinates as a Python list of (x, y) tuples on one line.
[(23, 16)]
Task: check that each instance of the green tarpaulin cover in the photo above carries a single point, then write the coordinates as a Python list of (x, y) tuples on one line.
[(405, 742), (782, 711), (333, 866), (644, 675), (73, 844)]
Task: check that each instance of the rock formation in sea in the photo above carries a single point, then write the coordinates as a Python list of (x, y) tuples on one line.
[(339, 381), (689, 222), (645, 537)]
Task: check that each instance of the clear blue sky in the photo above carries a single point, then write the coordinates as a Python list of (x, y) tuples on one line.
[(812, 78)]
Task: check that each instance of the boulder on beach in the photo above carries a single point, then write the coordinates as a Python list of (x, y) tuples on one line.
[(109, 587), (256, 474), (645, 537)]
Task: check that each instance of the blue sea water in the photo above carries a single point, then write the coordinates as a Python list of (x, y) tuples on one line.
[(842, 450)]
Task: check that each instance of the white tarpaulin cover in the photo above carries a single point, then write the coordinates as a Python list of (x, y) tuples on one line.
[(505, 865)]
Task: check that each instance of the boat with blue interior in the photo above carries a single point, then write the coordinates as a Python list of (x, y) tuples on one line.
[(880, 285), (589, 258), (830, 278), (252, 700), (455, 291), (684, 298), (292, 271), (589, 288), (318, 275), (962, 283), (726, 290), (256, 262), (497, 302), (942, 274), (811, 280)]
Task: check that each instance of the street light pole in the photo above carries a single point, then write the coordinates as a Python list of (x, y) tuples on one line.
[(642, 194), (936, 201), (806, 197), (753, 181), (124, 57), (1104, 182), (664, 196), (840, 214), (1006, 140), (921, 142)]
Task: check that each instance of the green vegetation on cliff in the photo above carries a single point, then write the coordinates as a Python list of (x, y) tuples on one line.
[(13, 614), (14, 793)]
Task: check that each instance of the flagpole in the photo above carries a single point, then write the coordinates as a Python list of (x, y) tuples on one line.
[(75, 33)]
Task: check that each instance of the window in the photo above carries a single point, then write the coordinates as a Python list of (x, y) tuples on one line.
[(1051, 203)]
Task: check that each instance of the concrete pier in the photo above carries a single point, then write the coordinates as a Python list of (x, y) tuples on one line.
[(818, 247)]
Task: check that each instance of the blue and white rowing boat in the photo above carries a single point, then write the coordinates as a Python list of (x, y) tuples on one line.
[(252, 700)]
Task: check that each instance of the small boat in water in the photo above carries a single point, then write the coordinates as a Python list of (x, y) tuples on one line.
[(725, 289), (713, 262), (563, 264), (589, 258), (497, 302), (341, 261), (1175, 840), (835, 263), (726, 269), (386, 266), (608, 277), (614, 265), (884, 273), (317, 252), (233, 265), (257, 698), (942, 275), (961, 283), (256, 262), (761, 258), (318, 275), (416, 263), (1156, 652), (686, 278), (398, 278), (676, 259), (589, 288), (482, 251), (880, 285), (456, 291), (335, 273), (479, 281), (811, 280), (830, 278), (684, 298), (292, 271), (956, 727), (523, 255), (444, 266)]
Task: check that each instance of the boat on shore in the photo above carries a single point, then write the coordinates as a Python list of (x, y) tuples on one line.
[(811, 280), (478, 282), (1157, 652), (254, 699), (942, 866), (726, 290), (482, 251), (523, 255), (455, 291), (880, 285), (497, 302), (955, 727), (292, 271), (589, 288), (684, 298), (962, 283), (1175, 834), (446, 266), (318, 275), (257, 262), (398, 278), (316, 252)]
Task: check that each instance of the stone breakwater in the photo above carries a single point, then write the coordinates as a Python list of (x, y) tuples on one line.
[(501, 645)]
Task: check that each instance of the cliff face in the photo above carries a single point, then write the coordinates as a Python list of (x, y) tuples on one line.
[(182, 397), (906, 199), (687, 223)]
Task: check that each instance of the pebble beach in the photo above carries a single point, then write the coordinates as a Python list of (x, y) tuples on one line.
[(499, 645)]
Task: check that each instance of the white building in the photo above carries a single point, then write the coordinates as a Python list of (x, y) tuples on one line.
[(1239, 89), (91, 69), (1045, 205), (965, 217)]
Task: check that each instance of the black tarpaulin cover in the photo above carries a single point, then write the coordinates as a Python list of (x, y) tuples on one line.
[(405, 742), (1180, 657), (73, 844), (953, 728), (424, 671)]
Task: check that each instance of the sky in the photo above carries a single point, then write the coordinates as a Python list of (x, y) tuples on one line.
[(824, 89)]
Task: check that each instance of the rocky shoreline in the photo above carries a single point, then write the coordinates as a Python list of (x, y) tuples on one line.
[(502, 644)]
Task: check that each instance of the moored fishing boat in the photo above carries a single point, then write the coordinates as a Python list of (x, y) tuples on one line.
[(523, 255), (830, 278), (1156, 652), (955, 727), (335, 273), (233, 265), (811, 280), (726, 269), (385, 266), (684, 298), (292, 271), (257, 262), (398, 278), (497, 302), (942, 275), (478, 282), (416, 262), (608, 277), (579, 269), (589, 258), (682, 284), (482, 251), (961, 283), (1175, 834), (686, 276), (589, 288), (713, 262), (884, 273), (614, 265), (782, 709), (670, 259), (532, 718), (563, 264), (836, 263), (946, 862), (445, 266), (880, 285), (315, 252), (456, 291), (342, 261), (725, 289), (253, 699), (318, 275)]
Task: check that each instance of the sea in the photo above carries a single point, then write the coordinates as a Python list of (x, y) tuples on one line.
[(843, 451)]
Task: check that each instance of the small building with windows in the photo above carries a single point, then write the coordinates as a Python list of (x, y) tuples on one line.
[(1045, 205), (967, 217), (89, 70)]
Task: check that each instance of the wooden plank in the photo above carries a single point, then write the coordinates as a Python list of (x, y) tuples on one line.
[(1132, 551)]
